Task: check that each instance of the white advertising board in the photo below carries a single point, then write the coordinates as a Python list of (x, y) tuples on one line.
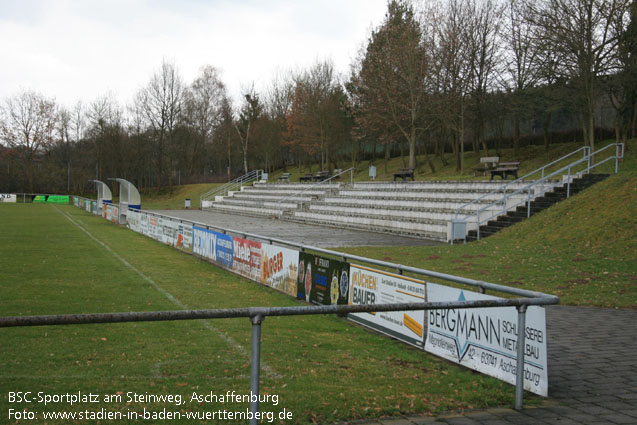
[(111, 213), (370, 286), (174, 233), (485, 339), (8, 197), (134, 221), (279, 268)]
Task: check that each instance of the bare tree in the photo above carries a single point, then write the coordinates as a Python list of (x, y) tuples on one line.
[(315, 114), (27, 124), (250, 112), (521, 60), (452, 73), (104, 116), (481, 37), (583, 33), (161, 102), (203, 104)]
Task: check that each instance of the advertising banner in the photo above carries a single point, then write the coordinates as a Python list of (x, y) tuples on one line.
[(76, 201), (111, 213), (485, 339), (279, 268), (213, 245), (246, 259), (134, 221), (370, 286), (7, 197), (322, 281)]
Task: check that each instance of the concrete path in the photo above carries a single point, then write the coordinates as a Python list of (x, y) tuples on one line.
[(592, 374), (307, 234)]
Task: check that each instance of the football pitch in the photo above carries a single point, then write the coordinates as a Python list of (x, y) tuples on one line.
[(315, 369)]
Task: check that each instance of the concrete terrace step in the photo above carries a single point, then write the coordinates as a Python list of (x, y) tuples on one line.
[(433, 229), (460, 195), (257, 202), (421, 203), (281, 193), (398, 212), (293, 186), (245, 210), (273, 198), (442, 185)]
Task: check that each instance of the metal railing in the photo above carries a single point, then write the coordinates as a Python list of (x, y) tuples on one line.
[(540, 170), (258, 314), (232, 185), (313, 185), (538, 187)]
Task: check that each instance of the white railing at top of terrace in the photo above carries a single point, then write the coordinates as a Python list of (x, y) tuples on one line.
[(235, 184), (544, 184)]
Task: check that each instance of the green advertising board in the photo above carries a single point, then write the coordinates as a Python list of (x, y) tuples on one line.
[(58, 199), (322, 281), (51, 199)]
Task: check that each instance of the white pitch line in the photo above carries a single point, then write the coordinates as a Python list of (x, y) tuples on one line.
[(227, 338)]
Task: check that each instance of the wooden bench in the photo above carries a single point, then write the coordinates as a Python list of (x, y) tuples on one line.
[(321, 175), (285, 177), (404, 173), (505, 169), (487, 163), (306, 178)]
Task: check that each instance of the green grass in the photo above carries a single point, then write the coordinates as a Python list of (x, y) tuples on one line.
[(323, 368), (582, 249), (175, 200)]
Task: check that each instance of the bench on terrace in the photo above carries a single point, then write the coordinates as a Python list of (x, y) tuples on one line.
[(285, 177), (505, 169), (404, 173), (487, 163)]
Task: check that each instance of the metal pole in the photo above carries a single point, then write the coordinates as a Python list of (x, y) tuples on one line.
[(568, 184), (255, 367), (616, 159), (519, 372)]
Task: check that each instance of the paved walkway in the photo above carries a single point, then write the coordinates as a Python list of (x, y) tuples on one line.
[(592, 374), (307, 234)]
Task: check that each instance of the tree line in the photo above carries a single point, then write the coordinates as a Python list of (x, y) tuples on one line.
[(435, 78)]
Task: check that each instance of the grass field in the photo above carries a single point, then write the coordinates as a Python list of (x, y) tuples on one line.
[(59, 259)]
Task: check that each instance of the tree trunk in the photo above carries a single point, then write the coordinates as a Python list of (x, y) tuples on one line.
[(516, 136), (547, 126)]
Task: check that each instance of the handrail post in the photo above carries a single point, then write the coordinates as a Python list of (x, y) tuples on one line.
[(617, 158), (519, 371), (255, 368)]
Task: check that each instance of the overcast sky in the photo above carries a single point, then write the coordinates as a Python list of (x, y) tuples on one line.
[(80, 49)]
